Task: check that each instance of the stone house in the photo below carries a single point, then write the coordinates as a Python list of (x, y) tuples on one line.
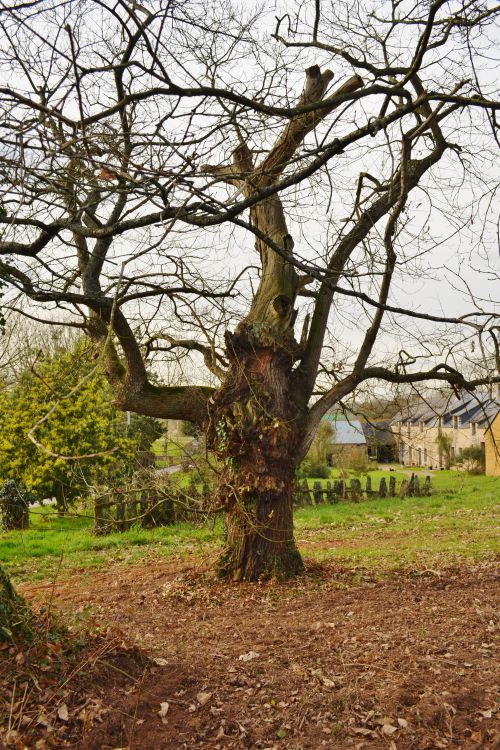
[(354, 440), (492, 440), (464, 420)]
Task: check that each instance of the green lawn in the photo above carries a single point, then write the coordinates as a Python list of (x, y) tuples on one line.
[(175, 447), (460, 520)]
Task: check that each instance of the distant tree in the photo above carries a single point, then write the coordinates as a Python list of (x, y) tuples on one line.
[(473, 459), (444, 444), (315, 463), (60, 432)]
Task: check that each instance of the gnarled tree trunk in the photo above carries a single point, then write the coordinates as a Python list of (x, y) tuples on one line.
[(256, 430), (257, 418)]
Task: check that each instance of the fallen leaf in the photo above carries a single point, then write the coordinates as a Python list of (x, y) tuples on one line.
[(203, 698), (388, 729), (43, 720), (365, 732), (486, 714), (249, 656), (403, 723), (160, 662), (381, 721), (329, 683), (62, 712), (162, 713)]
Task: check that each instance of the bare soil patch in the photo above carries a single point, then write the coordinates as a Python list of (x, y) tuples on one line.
[(336, 659)]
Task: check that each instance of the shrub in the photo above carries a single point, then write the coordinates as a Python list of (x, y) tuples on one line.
[(444, 444), (319, 470), (14, 506), (473, 459)]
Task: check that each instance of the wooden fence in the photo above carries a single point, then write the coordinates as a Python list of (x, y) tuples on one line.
[(353, 491), (120, 510)]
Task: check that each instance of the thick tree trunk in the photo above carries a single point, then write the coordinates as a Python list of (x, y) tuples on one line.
[(260, 542), (256, 429)]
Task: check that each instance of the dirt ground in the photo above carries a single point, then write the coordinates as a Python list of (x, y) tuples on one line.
[(336, 659)]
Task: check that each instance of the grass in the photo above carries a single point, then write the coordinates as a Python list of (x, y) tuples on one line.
[(460, 520), (53, 543), (175, 448)]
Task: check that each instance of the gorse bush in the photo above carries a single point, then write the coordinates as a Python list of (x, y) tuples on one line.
[(81, 437)]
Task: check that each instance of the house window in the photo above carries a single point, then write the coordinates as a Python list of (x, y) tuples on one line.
[(425, 455), (420, 457), (473, 428), (410, 455), (452, 452), (460, 451), (455, 423)]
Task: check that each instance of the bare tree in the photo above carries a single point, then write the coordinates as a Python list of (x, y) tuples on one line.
[(143, 146)]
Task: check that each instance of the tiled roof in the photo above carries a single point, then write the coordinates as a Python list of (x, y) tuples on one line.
[(469, 408), (346, 432)]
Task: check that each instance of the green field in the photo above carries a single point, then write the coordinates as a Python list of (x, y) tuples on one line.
[(460, 520), (175, 449)]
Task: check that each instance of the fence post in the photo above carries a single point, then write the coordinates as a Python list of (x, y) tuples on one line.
[(307, 493), (369, 491), (330, 494), (356, 490), (297, 495), (101, 525), (131, 512), (318, 493), (382, 490), (403, 491), (427, 485), (120, 511), (392, 486), (411, 486)]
